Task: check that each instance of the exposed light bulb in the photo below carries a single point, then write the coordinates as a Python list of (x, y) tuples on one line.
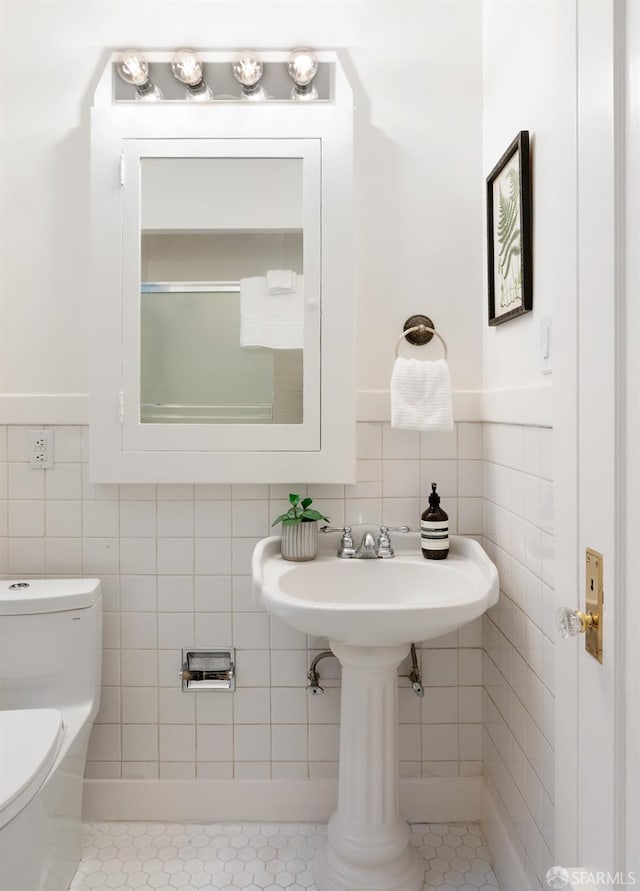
[(186, 66), (303, 67), (133, 68), (247, 69)]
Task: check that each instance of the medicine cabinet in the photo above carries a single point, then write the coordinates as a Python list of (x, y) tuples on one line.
[(222, 308)]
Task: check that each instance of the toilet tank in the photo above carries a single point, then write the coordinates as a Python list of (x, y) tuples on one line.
[(50, 643)]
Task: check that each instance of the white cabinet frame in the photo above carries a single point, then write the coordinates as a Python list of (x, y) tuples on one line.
[(322, 449)]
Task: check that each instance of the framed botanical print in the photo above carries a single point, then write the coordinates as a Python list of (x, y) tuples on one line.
[(509, 233)]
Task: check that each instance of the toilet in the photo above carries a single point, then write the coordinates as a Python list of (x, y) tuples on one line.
[(50, 667)]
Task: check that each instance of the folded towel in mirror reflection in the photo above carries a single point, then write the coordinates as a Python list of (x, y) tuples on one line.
[(271, 320), (281, 281), (421, 395)]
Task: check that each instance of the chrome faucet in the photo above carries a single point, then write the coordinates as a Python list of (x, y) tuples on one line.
[(369, 548)]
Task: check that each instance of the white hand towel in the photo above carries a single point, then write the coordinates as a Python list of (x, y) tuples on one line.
[(271, 321), (281, 281), (421, 395)]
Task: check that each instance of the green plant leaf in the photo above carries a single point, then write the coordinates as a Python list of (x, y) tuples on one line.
[(298, 512), (310, 514), (280, 519)]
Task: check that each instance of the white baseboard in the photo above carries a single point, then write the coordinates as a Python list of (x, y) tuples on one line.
[(507, 865), (433, 800)]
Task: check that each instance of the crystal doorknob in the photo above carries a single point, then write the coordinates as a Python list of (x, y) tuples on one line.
[(571, 622)]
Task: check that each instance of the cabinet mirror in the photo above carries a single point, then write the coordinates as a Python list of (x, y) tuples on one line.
[(222, 293)]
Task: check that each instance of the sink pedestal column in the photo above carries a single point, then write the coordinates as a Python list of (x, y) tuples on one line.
[(368, 848)]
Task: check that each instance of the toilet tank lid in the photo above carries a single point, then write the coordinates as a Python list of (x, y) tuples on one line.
[(31, 739), (19, 597)]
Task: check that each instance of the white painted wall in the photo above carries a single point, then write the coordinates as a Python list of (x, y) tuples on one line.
[(417, 165), (530, 73), (529, 84)]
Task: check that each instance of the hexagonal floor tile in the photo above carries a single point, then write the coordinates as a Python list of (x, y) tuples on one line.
[(256, 856)]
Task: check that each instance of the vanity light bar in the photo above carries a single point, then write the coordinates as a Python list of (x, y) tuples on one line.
[(247, 67)]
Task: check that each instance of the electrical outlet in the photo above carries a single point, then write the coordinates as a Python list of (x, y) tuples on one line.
[(41, 448)]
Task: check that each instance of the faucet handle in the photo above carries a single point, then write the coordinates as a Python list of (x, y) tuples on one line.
[(347, 548), (384, 542)]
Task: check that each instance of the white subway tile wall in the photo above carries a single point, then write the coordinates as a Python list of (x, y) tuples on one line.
[(518, 670), (175, 565)]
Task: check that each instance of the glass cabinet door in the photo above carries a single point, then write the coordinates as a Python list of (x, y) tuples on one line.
[(221, 295)]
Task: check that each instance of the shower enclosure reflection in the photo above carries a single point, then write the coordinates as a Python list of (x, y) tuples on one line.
[(222, 291)]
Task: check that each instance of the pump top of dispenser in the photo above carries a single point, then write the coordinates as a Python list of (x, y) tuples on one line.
[(434, 498)]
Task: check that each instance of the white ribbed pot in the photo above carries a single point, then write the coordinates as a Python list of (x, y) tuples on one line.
[(299, 541)]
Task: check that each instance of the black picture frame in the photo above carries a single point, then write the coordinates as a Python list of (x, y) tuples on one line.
[(509, 253)]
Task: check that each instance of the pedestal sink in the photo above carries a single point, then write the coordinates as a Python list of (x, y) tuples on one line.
[(371, 611)]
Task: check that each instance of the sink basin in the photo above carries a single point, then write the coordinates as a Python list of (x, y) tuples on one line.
[(376, 602), (371, 610)]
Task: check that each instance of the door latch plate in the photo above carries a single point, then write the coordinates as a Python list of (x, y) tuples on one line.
[(594, 598)]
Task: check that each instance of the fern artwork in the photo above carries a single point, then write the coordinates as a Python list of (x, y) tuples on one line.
[(509, 239), (509, 233)]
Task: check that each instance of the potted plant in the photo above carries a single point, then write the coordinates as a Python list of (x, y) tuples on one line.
[(299, 529)]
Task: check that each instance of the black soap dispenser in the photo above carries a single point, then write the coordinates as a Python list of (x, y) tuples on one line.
[(434, 529)]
